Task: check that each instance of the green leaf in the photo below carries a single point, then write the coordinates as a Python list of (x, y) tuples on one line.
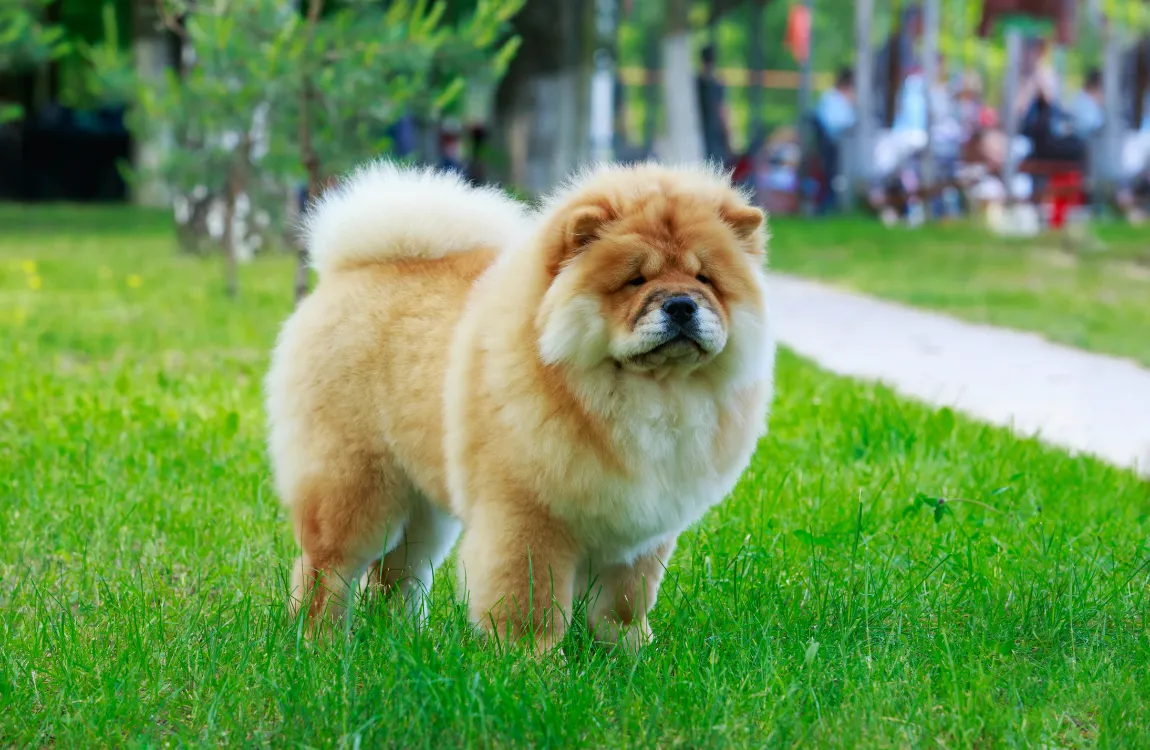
[(811, 653)]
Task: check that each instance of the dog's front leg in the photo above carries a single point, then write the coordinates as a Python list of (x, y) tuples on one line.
[(518, 566), (620, 597)]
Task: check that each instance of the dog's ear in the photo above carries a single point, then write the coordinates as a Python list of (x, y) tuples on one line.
[(578, 229), (583, 227), (747, 222)]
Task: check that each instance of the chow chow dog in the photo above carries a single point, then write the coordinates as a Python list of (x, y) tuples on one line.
[(570, 388)]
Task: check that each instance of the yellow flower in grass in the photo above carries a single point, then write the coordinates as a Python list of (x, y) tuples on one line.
[(20, 314), (134, 280), (35, 282), (29, 267)]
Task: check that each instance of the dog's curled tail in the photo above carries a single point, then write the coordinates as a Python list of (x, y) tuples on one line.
[(383, 211)]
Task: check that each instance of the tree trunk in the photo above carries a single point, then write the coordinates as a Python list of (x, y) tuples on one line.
[(930, 48), (652, 63), (191, 232), (858, 164), (231, 277), (308, 156), (542, 106), (603, 134), (237, 178), (755, 63), (151, 53), (684, 132), (542, 112)]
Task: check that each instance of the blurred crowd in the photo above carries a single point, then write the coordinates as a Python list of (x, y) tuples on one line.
[(945, 151)]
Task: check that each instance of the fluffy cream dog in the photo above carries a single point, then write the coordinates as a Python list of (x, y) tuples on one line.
[(573, 388)]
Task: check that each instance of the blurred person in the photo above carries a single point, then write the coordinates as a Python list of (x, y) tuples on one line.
[(451, 148), (1088, 111), (835, 114), (404, 135), (974, 115), (1086, 108), (1037, 78), (776, 172), (897, 55), (713, 110), (897, 152), (945, 140), (1048, 128), (1136, 166), (477, 163)]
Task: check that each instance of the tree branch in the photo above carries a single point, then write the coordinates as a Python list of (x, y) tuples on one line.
[(171, 24)]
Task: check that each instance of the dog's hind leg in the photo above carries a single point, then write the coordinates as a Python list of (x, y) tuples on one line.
[(409, 568), (345, 515)]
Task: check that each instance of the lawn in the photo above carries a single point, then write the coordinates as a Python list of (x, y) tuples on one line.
[(833, 601), (1097, 300)]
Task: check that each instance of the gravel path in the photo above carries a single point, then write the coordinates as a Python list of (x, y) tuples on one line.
[(1084, 402)]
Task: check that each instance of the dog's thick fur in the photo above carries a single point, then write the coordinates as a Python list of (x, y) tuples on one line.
[(573, 388)]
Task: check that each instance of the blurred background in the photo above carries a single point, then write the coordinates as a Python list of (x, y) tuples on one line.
[(1025, 115)]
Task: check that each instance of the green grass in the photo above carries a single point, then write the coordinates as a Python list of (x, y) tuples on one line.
[(143, 558), (1092, 300)]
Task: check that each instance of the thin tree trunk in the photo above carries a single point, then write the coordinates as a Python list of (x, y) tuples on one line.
[(652, 59), (190, 234), (150, 60), (308, 156), (237, 178), (860, 163), (755, 63), (231, 279), (684, 132)]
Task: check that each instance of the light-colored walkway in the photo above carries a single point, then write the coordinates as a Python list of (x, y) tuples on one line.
[(1085, 402)]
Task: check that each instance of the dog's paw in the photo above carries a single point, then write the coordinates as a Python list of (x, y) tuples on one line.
[(630, 637)]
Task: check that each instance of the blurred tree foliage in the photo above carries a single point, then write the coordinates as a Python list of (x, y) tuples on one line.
[(27, 39), (274, 96)]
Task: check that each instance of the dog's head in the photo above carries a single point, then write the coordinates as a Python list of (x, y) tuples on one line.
[(656, 270)]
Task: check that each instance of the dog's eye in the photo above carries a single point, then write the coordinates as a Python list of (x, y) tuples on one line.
[(703, 279), (637, 281)]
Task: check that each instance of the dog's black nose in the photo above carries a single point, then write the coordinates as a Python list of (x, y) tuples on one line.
[(680, 309)]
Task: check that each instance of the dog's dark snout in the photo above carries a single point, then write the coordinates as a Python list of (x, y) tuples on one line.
[(680, 309)]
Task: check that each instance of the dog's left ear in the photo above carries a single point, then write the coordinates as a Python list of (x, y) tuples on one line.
[(576, 231), (583, 227), (747, 224)]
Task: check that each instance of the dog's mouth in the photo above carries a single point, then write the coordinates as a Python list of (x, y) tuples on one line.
[(680, 342), (681, 349)]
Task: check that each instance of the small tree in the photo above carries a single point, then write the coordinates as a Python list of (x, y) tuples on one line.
[(274, 97), (357, 69), (25, 42)]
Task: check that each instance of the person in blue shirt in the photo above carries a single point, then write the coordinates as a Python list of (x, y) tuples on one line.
[(1086, 108), (835, 114), (910, 110), (836, 108)]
